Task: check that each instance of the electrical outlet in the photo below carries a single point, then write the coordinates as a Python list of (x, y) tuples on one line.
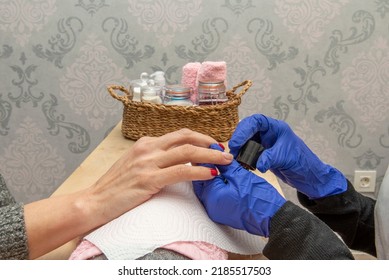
[(364, 180)]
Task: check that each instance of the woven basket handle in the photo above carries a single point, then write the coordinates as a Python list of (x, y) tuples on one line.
[(123, 98), (245, 84)]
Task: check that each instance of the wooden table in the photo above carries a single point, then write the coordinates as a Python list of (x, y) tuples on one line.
[(95, 165)]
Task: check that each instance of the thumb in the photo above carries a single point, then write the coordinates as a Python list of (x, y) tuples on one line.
[(268, 161), (264, 161)]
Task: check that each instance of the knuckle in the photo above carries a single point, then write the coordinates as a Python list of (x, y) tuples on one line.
[(188, 150), (185, 132), (181, 171), (142, 145), (140, 149), (145, 139), (284, 124)]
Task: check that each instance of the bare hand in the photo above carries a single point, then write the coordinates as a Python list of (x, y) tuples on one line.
[(149, 165)]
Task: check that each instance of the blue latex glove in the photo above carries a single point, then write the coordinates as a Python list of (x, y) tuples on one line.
[(239, 198), (287, 156)]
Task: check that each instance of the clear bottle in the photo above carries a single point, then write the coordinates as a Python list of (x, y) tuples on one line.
[(178, 95), (211, 92), (160, 81)]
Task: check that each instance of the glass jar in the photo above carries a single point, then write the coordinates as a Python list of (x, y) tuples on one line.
[(136, 86), (151, 93), (211, 93), (178, 95)]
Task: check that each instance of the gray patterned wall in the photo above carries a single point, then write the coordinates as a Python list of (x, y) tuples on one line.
[(323, 66)]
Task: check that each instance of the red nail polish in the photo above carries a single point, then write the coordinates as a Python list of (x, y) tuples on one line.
[(214, 172), (222, 146)]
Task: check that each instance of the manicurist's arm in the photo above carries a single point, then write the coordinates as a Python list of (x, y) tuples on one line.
[(299, 235), (243, 200), (322, 189), (350, 214)]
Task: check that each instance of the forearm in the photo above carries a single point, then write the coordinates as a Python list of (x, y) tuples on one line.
[(52, 222), (57, 220), (350, 214), (297, 234)]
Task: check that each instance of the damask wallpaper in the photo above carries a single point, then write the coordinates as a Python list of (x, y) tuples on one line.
[(323, 66)]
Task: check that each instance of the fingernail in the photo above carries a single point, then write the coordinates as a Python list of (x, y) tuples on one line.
[(214, 172), (228, 156), (221, 146)]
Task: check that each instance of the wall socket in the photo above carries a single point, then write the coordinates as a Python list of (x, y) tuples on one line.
[(364, 180)]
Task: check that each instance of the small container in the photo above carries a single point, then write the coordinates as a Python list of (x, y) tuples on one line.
[(151, 93), (211, 92), (160, 81), (249, 154), (178, 95), (136, 86)]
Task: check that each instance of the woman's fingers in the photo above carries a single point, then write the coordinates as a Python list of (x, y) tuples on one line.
[(154, 162), (180, 147), (184, 136), (190, 153), (180, 173)]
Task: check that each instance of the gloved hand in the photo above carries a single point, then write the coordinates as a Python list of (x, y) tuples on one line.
[(239, 198), (287, 156)]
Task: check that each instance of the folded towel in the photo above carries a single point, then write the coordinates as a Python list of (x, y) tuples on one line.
[(197, 250), (212, 71), (189, 77), (189, 74)]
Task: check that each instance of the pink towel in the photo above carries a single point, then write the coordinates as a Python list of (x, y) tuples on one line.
[(189, 77), (189, 74), (208, 71), (212, 71), (85, 250), (196, 250)]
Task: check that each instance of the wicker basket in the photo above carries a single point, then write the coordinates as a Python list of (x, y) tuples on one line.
[(146, 119)]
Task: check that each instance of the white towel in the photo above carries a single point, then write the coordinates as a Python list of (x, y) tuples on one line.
[(174, 214)]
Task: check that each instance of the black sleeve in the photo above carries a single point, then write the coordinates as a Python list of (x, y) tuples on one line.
[(297, 234), (350, 214)]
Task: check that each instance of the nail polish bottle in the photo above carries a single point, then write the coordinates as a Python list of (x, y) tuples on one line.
[(249, 154)]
